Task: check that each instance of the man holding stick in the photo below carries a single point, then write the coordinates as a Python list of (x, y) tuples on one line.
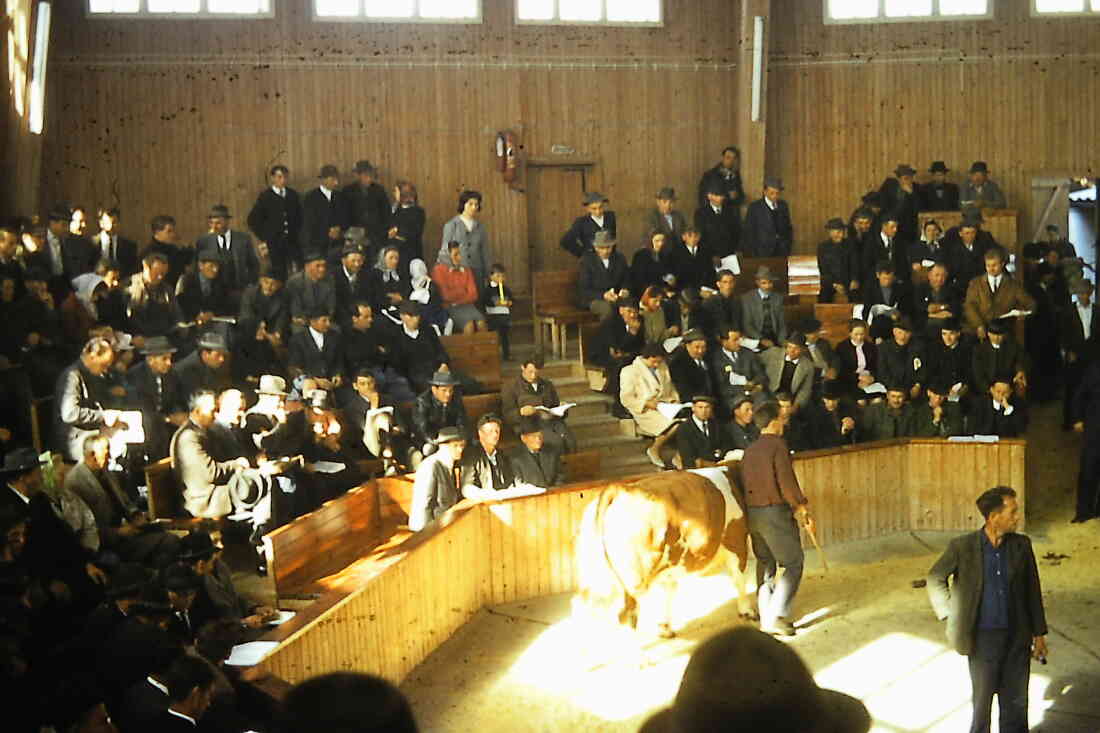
[(776, 507)]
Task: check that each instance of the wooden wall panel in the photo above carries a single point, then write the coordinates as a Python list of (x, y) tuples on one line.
[(173, 116), (848, 103), (20, 151)]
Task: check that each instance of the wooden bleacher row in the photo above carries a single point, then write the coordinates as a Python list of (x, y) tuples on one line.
[(347, 528)]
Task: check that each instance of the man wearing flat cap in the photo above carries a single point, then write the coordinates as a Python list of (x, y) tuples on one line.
[(203, 293), (205, 367), (790, 370), (326, 213), (597, 218), (276, 219), (743, 680), (435, 488), (719, 220), (604, 275), (310, 290), (762, 311), (664, 218), (158, 393), (768, 231), (938, 194), (838, 264), (240, 265), (979, 192), (899, 197)]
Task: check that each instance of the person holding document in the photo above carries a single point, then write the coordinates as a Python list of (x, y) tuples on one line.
[(531, 396), (644, 387)]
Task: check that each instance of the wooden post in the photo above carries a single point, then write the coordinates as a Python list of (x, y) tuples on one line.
[(752, 135)]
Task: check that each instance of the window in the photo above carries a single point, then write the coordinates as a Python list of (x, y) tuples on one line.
[(1065, 7), (863, 11), (603, 12), (181, 8), (424, 11)]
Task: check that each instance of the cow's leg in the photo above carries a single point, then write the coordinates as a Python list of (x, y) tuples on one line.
[(670, 581), (744, 607)]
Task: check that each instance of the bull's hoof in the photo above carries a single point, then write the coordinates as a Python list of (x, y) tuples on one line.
[(665, 631)]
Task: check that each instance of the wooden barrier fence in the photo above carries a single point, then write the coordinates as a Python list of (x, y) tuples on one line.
[(481, 554)]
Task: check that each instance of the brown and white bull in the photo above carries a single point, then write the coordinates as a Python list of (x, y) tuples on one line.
[(655, 530)]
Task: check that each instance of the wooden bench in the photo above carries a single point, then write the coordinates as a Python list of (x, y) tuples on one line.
[(165, 495), (803, 277), (1001, 223), (40, 421), (554, 307), (834, 319), (476, 355), (327, 539)]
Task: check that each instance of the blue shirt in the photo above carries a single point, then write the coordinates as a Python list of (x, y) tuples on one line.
[(993, 611)]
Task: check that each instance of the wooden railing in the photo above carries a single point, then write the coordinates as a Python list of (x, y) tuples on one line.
[(422, 591)]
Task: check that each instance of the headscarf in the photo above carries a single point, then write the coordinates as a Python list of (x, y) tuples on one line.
[(418, 273), (85, 286), (388, 273)]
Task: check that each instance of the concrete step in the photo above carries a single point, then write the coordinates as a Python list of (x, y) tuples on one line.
[(624, 466), (593, 427), (588, 404), (570, 388)]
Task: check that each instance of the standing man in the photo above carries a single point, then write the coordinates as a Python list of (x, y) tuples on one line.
[(727, 177), (979, 191), (665, 218), (276, 219), (768, 230), (994, 609), (939, 195), (369, 206), (435, 488), (597, 218), (325, 213), (776, 507), (718, 221), (113, 247), (240, 266), (1086, 411)]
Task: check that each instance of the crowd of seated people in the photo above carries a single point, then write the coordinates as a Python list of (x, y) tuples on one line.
[(953, 337)]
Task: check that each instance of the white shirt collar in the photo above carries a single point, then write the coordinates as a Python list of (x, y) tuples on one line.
[(885, 239), (278, 191), (351, 277), (163, 688), (717, 209), (769, 204), (994, 281), (327, 193), (188, 718), (597, 219), (318, 337), (700, 424), (410, 334)]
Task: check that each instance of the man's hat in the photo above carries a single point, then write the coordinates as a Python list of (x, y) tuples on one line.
[(1081, 286), (897, 387), (690, 296), (329, 171), (197, 545), (940, 386), (831, 390), (272, 384), (716, 188), (273, 271), (694, 334), (448, 435), (313, 255), (668, 193), (219, 211), (443, 379), (905, 170), (950, 324), (351, 248), (764, 273), (19, 461), (938, 166), (627, 302), (742, 398), (979, 166), (318, 311), (811, 325), (904, 323), (872, 198), (594, 197), (213, 341), (210, 254), (180, 578), (703, 398), (152, 603), (773, 182), (998, 326), (529, 424), (972, 217), (603, 238), (409, 308), (127, 580), (157, 345), (836, 223), (796, 338), (363, 166)]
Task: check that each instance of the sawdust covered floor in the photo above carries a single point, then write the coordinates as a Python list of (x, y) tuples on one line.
[(535, 666)]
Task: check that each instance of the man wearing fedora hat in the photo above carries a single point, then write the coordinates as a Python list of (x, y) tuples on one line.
[(158, 393), (979, 192), (310, 290), (664, 217), (240, 265), (436, 408), (351, 282), (326, 212), (724, 177), (768, 231), (899, 196), (604, 275), (830, 422), (436, 486), (596, 218), (744, 680), (205, 367), (939, 194), (276, 219), (263, 324), (837, 263), (762, 311), (203, 293), (369, 206)]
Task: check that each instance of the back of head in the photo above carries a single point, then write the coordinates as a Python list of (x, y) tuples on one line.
[(345, 702)]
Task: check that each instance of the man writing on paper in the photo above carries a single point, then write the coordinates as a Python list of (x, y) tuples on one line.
[(643, 386), (522, 397)]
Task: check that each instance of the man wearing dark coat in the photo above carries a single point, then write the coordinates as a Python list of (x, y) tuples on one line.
[(1086, 417), (436, 408), (768, 231), (205, 367), (939, 195), (1080, 334), (688, 367), (899, 197), (994, 609), (718, 221), (325, 213), (604, 273), (369, 205), (159, 395), (534, 461), (726, 176), (276, 219), (700, 440), (838, 264), (578, 241), (240, 266)]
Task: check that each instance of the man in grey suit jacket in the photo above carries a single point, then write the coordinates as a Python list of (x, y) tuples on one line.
[(762, 311), (435, 488), (735, 369), (664, 218), (792, 362), (240, 266), (994, 609), (535, 462)]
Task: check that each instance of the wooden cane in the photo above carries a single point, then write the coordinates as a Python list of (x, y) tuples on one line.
[(817, 546)]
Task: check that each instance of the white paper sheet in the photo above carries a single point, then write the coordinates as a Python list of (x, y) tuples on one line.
[(670, 409), (737, 380), (749, 343), (327, 466), (671, 344), (250, 653), (875, 388), (558, 411), (1016, 313), (282, 617)]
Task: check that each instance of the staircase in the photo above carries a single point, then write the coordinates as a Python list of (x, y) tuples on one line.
[(591, 420)]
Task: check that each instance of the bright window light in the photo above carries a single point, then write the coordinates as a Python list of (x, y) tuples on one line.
[(188, 8), (36, 119), (858, 11), (1059, 6), (964, 7), (390, 10), (907, 8), (614, 12), (852, 9)]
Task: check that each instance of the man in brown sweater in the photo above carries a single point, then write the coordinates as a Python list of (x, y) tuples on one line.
[(774, 502)]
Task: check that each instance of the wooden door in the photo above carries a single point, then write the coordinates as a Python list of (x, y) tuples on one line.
[(554, 195)]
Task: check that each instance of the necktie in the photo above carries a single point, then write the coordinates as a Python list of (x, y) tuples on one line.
[(222, 243), (706, 430)]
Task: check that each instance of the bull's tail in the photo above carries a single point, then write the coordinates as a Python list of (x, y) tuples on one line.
[(628, 614), (600, 584)]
